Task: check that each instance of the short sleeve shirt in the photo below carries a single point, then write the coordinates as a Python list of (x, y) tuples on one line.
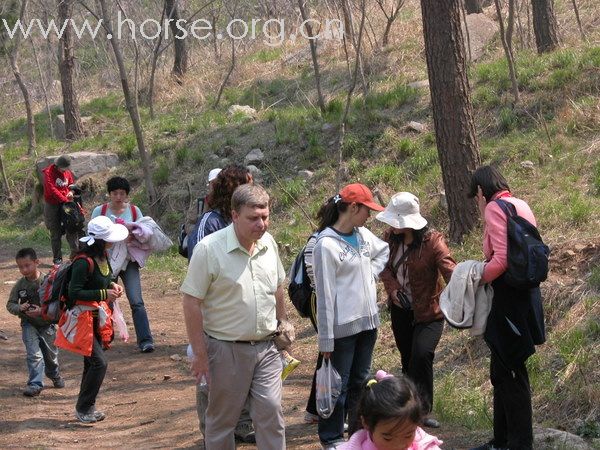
[(237, 289)]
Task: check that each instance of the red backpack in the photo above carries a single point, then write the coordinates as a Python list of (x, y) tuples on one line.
[(134, 216), (54, 289)]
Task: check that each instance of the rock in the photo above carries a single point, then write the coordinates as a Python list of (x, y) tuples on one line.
[(579, 247), (175, 357), (59, 125), (570, 253), (528, 165), (243, 109), (482, 30), (83, 163), (255, 171), (306, 174), (255, 156), (419, 84), (327, 127), (549, 438), (416, 126)]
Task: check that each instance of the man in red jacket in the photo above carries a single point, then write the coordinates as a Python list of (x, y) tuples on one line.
[(57, 179)]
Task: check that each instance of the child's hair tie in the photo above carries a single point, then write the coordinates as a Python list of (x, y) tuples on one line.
[(337, 198), (371, 382), (382, 374)]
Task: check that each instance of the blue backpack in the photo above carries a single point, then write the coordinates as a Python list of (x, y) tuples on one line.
[(300, 291), (527, 254)]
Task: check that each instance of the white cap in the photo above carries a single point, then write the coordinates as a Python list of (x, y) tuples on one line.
[(102, 227), (213, 174), (403, 212)]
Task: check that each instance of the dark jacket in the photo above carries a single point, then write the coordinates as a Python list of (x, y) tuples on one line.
[(425, 264)]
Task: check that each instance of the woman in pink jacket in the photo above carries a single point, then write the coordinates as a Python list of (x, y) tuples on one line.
[(515, 320)]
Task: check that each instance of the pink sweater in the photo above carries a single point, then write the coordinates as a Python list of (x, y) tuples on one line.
[(495, 240), (361, 441)]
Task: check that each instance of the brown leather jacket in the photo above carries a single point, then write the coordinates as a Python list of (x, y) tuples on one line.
[(425, 265)]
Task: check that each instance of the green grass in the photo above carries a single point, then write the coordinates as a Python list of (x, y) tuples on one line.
[(389, 98)]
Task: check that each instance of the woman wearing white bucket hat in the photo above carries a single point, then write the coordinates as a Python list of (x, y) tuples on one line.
[(418, 256), (86, 327)]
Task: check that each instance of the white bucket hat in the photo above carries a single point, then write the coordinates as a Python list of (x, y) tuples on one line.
[(102, 227), (403, 212)]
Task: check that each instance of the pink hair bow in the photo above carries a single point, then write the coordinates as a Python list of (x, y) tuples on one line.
[(382, 374)]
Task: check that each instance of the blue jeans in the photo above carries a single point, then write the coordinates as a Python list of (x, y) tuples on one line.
[(133, 290), (42, 354), (351, 357)]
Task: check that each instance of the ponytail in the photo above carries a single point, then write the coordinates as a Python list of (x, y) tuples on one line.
[(330, 212)]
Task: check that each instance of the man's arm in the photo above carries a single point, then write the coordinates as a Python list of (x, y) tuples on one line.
[(192, 314), (280, 303)]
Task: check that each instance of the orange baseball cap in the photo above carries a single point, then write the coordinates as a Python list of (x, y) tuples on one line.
[(359, 193)]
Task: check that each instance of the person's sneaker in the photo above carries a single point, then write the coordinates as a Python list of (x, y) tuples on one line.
[(289, 365), (32, 391), (147, 348), (311, 418), (244, 432), (85, 417), (58, 382), (431, 423), (99, 416)]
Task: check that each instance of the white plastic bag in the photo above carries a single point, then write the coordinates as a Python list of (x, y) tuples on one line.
[(119, 321), (329, 385)]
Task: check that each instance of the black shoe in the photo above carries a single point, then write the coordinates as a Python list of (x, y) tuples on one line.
[(32, 391), (58, 382), (431, 423), (244, 432), (147, 348)]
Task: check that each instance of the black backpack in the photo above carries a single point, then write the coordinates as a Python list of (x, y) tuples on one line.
[(71, 216), (527, 256), (300, 292)]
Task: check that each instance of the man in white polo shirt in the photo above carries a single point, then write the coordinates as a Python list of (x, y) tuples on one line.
[(233, 299)]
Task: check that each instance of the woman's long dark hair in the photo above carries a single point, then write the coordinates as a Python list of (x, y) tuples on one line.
[(418, 236), (329, 213), (490, 180), (96, 250), (226, 182)]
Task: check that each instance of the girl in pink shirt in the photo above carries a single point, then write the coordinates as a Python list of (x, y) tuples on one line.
[(389, 412)]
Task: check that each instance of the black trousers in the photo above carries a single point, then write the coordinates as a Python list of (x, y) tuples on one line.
[(512, 405), (416, 343), (94, 370)]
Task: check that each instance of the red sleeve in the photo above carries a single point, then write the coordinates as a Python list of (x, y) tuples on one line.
[(51, 191), (496, 226)]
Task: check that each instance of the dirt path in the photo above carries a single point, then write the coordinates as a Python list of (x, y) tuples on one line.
[(149, 398)]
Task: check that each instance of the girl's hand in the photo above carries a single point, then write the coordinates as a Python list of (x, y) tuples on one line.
[(481, 201), (118, 288), (112, 295)]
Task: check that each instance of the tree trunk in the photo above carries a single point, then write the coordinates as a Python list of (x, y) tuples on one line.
[(506, 38), (576, 9), (44, 89), (13, 58), (313, 53), (73, 125), (452, 110), (132, 109), (180, 62), (545, 27), (473, 6)]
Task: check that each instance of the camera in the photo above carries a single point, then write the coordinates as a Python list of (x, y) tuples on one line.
[(23, 297)]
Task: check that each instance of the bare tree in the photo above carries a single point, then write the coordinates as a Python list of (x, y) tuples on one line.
[(73, 125), (545, 27), (506, 38), (390, 17), (130, 102), (12, 52), (232, 13), (44, 90), (180, 62), (452, 110), (473, 7), (313, 52), (576, 10)]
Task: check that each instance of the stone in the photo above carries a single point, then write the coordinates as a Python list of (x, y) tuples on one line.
[(327, 127), (528, 165), (549, 438), (83, 163), (416, 126), (244, 109), (419, 84), (256, 156), (306, 174), (255, 171), (482, 30), (175, 357)]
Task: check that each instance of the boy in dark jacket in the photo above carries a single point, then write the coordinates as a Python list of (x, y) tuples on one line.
[(38, 334), (57, 179)]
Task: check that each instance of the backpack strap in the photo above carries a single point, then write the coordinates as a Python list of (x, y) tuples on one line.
[(89, 260), (134, 216), (508, 208), (104, 209)]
